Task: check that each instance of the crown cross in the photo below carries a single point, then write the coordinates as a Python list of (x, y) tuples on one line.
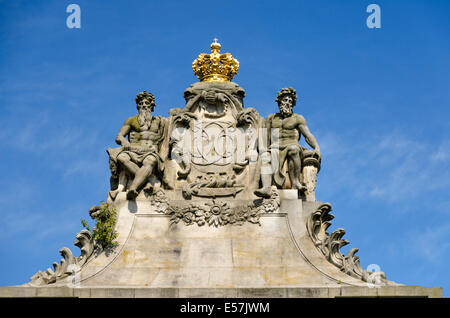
[(215, 67)]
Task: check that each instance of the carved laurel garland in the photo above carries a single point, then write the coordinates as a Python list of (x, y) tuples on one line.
[(69, 265), (330, 245), (215, 212)]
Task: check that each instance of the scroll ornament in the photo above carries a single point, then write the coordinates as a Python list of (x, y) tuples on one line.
[(330, 245)]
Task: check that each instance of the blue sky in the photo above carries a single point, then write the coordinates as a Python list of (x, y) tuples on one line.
[(377, 101)]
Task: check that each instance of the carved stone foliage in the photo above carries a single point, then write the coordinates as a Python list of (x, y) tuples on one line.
[(330, 245), (69, 265), (215, 212)]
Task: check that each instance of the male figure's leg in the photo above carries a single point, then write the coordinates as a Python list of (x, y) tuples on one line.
[(125, 160), (294, 167), (141, 176)]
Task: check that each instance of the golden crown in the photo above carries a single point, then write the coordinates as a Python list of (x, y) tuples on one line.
[(215, 67)]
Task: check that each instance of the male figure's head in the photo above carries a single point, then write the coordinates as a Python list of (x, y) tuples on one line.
[(145, 103), (286, 99)]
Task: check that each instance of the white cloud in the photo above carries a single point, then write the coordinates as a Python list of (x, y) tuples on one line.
[(442, 154), (391, 167), (24, 215), (433, 243), (39, 133), (85, 167), (33, 225), (409, 167)]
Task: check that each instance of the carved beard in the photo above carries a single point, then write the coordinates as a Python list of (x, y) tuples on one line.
[(285, 109), (144, 119)]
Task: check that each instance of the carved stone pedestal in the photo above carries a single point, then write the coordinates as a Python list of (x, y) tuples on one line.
[(285, 251)]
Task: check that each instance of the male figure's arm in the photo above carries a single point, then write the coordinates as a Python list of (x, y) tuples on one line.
[(121, 137), (310, 139)]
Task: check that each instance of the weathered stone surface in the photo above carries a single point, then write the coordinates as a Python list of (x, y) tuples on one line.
[(119, 292), (359, 292), (409, 291), (277, 258), (55, 292), (15, 291), (288, 292), (157, 293), (153, 252), (82, 292), (318, 292), (207, 293), (334, 292), (262, 293)]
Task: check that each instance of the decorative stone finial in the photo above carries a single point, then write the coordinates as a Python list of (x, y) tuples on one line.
[(215, 67)]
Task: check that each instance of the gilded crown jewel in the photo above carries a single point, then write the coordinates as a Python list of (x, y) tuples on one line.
[(215, 67)]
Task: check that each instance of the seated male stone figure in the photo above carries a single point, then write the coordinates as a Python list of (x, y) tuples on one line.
[(140, 151), (290, 127)]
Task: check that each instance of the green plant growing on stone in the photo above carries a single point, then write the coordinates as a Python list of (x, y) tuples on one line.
[(86, 225), (103, 233)]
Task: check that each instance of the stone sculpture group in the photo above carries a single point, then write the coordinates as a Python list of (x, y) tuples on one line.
[(214, 147)]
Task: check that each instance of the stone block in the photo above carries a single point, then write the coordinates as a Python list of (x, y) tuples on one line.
[(312, 292), (288, 194), (156, 293), (208, 292), (262, 293), (54, 292), (17, 291), (248, 277), (111, 292), (409, 291), (207, 252), (334, 292), (433, 292), (82, 292), (387, 291), (181, 277), (358, 291)]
